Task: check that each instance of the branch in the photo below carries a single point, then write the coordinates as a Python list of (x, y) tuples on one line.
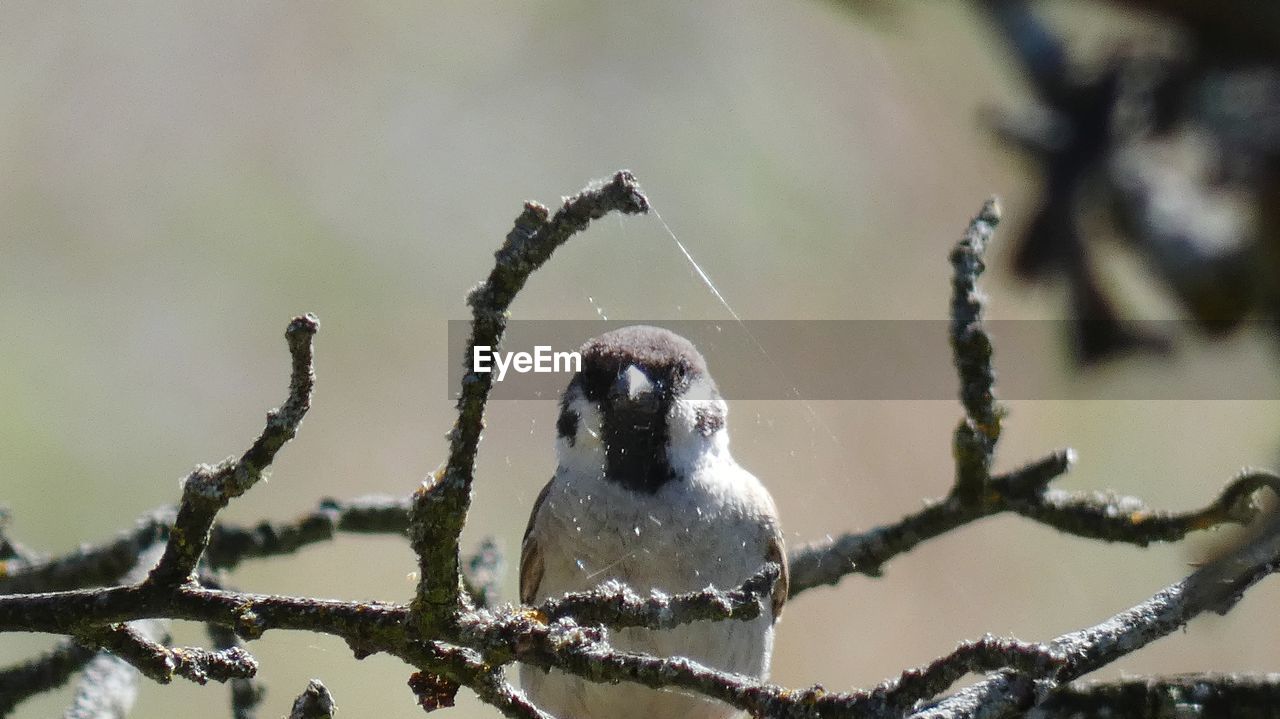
[(87, 566), (41, 674), (440, 504), (1167, 697), (1095, 515), (208, 489), (109, 684), (315, 702), (975, 440), (246, 692), (1116, 518), (583, 651), (378, 514), (160, 663), (454, 645), (976, 494), (493, 689), (616, 606), (104, 564), (1216, 587)]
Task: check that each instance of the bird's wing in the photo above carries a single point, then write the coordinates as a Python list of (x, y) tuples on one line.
[(776, 553), (530, 555)]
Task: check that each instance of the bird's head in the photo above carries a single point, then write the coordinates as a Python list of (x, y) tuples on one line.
[(642, 411)]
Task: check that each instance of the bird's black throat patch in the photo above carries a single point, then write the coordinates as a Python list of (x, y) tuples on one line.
[(636, 449)]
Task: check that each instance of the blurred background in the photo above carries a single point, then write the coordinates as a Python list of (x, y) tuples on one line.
[(182, 178)]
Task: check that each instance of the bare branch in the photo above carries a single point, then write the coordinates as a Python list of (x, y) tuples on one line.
[(41, 674), (88, 566), (615, 605), (208, 489), (1167, 697), (976, 494), (440, 505), (1116, 518), (1096, 515), (986, 654), (246, 692), (451, 644), (493, 689), (378, 514), (584, 651), (976, 436), (160, 663), (1216, 587), (104, 564), (109, 684), (315, 702), (450, 666)]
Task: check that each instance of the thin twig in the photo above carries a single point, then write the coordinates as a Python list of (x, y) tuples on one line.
[(976, 494), (1216, 587), (229, 544), (1096, 515), (41, 674), (89, 566), (615, 605), (1168, 697), (315, 702), (209, 488), (975, 440), (378, 514), (160, 663), (246, 692)]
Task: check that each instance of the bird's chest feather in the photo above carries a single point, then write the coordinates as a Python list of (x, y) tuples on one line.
[(697, 531), (689, 536), (684, 538)]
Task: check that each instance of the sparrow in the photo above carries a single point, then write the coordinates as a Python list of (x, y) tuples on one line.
[(646, 493)]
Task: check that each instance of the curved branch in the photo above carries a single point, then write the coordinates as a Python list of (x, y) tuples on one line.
[(1094, 515), (229, 544), (440, 504), (1216, 587), (975, 493), (209, 488)]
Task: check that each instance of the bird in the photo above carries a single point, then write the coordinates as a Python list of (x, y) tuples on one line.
[(646, 493)]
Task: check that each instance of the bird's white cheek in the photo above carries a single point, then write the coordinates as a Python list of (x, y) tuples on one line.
[(584, 452), (688, 446)]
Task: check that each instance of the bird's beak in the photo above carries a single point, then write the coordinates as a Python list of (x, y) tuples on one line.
[(634, 388)]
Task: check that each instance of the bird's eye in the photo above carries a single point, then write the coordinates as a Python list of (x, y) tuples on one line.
[(680, 375)]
